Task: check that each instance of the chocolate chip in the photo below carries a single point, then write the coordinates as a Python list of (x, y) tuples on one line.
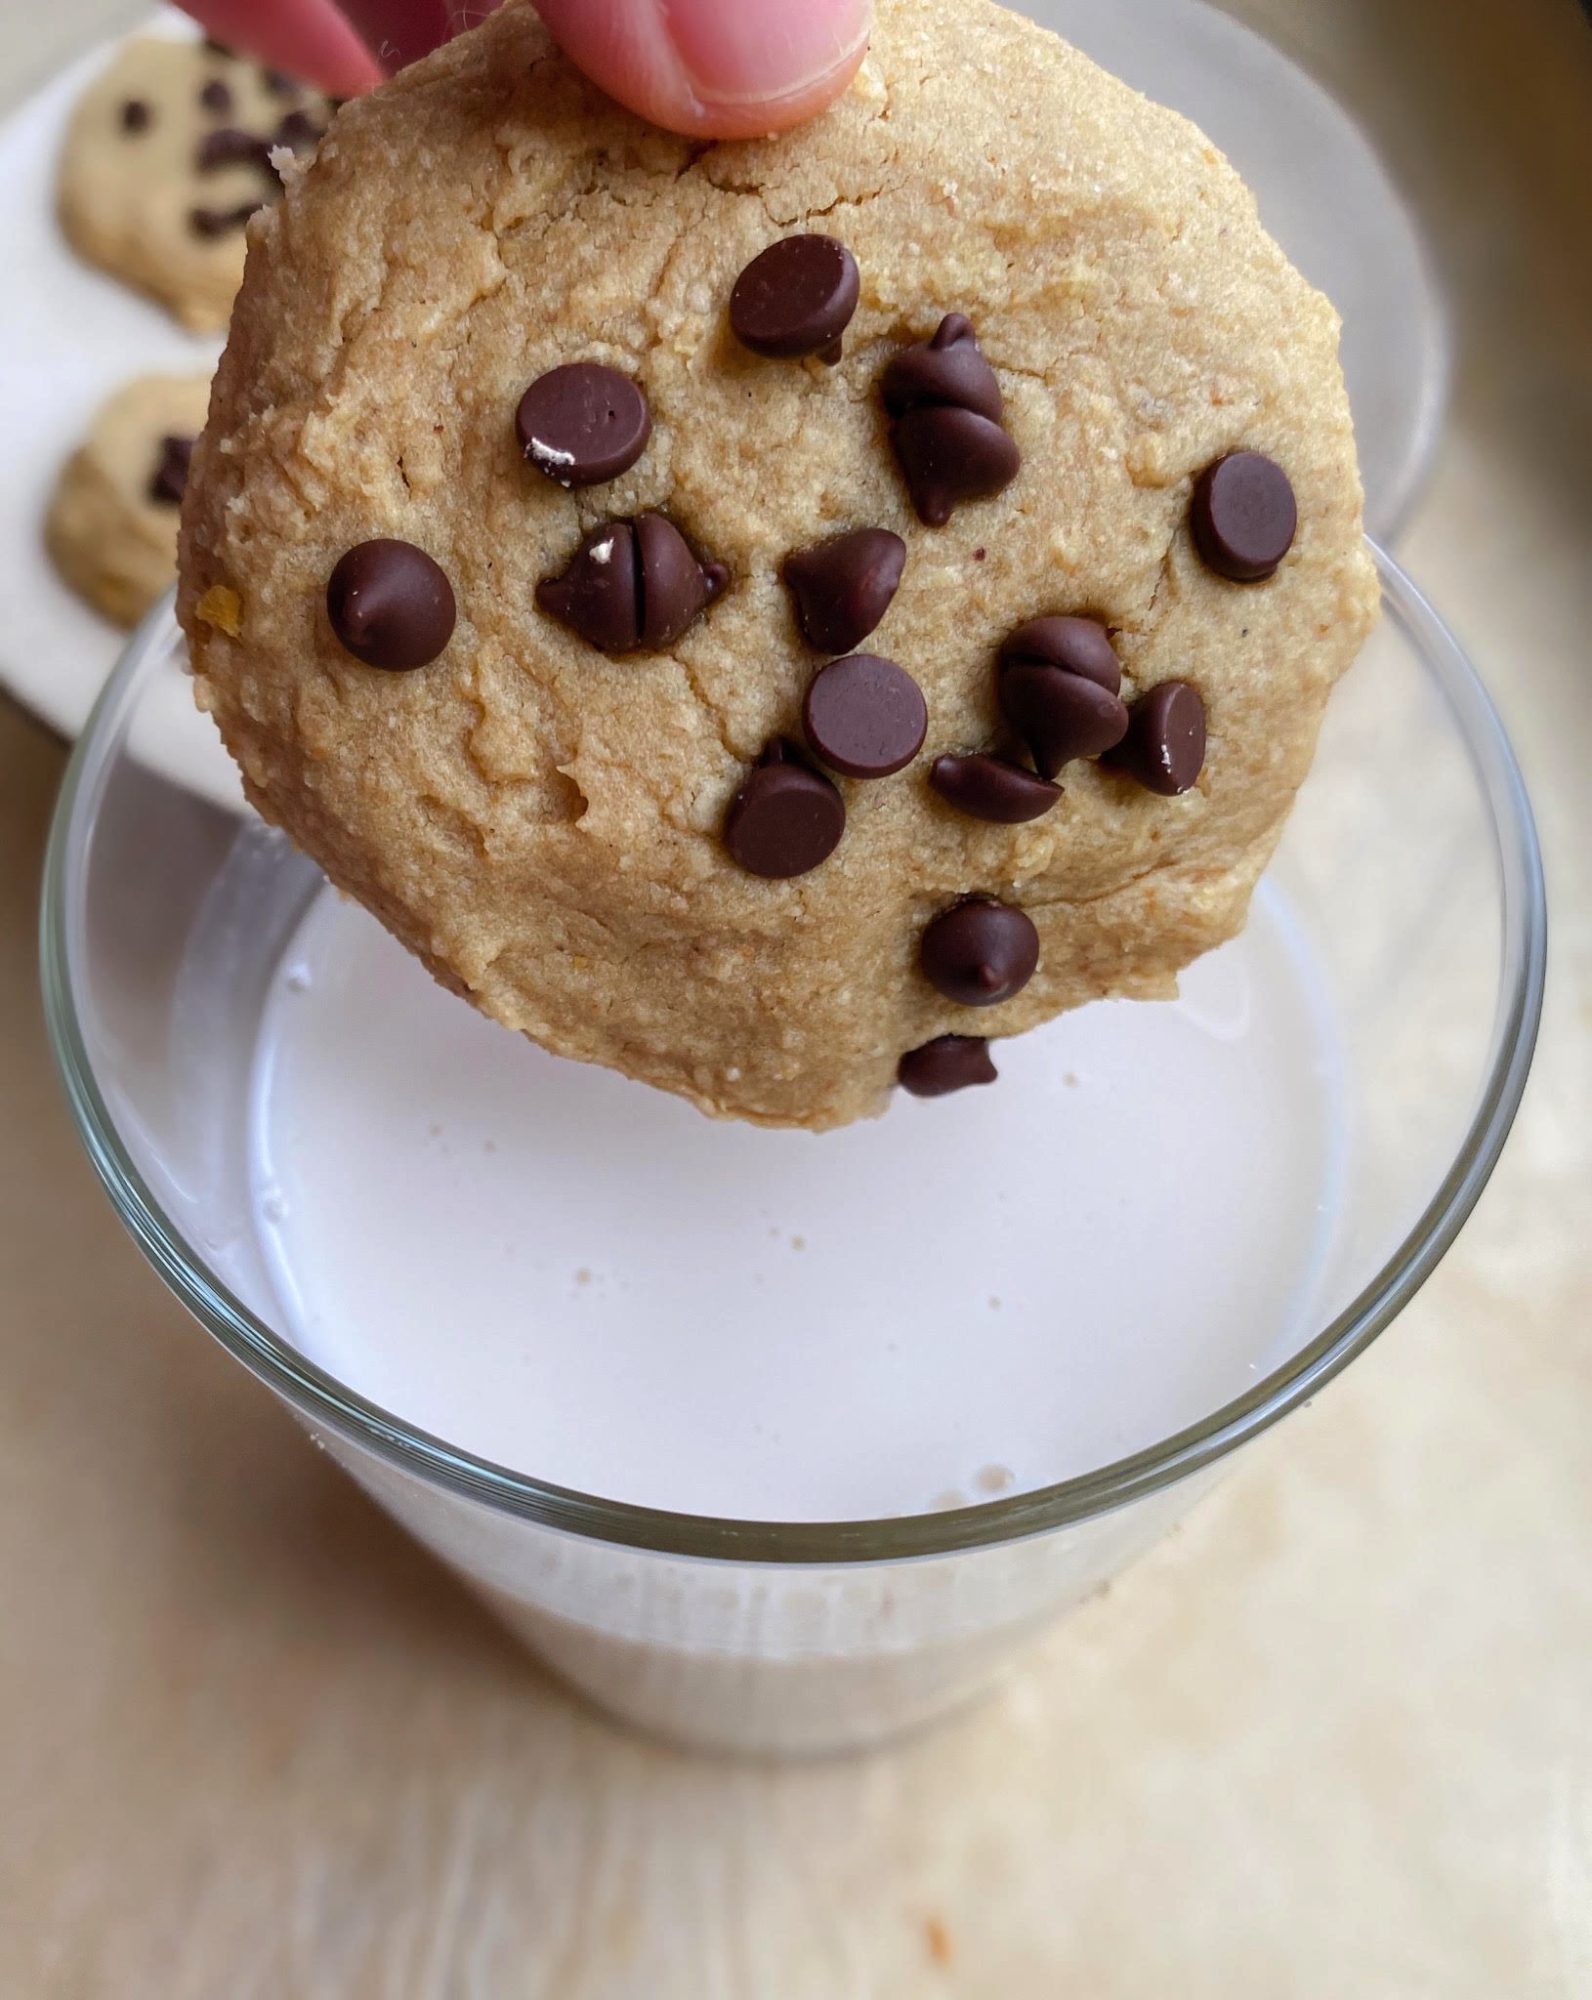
[(298, 130), (1060, 715), (632, 585), (785, 819), (583, 423), (216, 95), (947, 370), (169, 481), (390, 605), (226, 146), (214, 48), (991, 788), (797, 297), (980, 952), (280, 84), (1243, 516), (221, 221), (947, 433), (136, 115), (949, 456), (1165, 744), (675, 588), (865, 717), (1080, 645), (843, 587), (1058, 689), (949, 1062)]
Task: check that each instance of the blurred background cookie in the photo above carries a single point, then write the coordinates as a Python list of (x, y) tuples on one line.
[(166, 157), (112, 525)]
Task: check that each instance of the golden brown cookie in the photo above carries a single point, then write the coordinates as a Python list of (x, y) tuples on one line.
[(112, 525), (550, 735), (166, 157)]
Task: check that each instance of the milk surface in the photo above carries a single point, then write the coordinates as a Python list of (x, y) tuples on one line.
[(589, 1282)]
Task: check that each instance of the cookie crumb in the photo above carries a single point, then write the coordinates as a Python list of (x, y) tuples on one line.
[(938, 1939), (221, 608)]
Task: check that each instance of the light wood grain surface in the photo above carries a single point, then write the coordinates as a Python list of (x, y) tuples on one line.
[(1334, 1739)]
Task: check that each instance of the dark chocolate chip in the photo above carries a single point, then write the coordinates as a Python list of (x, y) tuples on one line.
[(948, 456), (280, 84), (990, 788), (583, 423), (169, 481), (1080, 645), (785, 819), (865, 717), (949, 1062), (948, 370), (599, 594), (632, 584), (675, 588), (221, 221), (226, 146), (843, 587), (136, 115), (216, 96), (1165, 744), (980, 952), (797, 297), (390, 605), (1244, 516), (299, 130), (947, 432), (1060, 715)]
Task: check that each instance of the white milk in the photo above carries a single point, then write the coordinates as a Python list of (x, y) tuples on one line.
[(588, 1281)]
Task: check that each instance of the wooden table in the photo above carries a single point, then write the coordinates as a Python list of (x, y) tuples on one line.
[(1335, 1739)]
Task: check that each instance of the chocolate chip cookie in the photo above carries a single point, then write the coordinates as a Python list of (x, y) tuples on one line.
[(776, 617)]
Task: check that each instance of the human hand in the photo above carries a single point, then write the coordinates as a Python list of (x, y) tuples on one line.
[(714, 69)]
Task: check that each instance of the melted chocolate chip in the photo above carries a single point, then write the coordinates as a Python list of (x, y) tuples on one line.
[(1243, 516), (221, 221), (980, 952), (390, 605), (1079, 645), (1060, 715), (865, 717), (216, 96), (169, 480), (136, 115), (583, 423), (991, 788), (785, 819), (226, 146), (843, 587), (632, 585), (947, 432), (797, 297), (1165, 744), (280, 84), (950, 1062), (949, 370)]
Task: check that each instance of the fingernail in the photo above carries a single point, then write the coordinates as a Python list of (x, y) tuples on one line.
[(757, 51)]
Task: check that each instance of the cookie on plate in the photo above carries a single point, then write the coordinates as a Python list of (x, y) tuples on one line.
[(772, 617), (112, 524), (167, 156)]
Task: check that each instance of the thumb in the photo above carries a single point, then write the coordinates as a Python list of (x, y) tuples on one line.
[(715, 69)]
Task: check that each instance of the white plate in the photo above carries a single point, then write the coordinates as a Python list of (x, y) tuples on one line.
[(70, 335)]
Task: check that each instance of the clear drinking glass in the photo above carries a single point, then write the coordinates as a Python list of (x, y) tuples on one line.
[(1410, 860)]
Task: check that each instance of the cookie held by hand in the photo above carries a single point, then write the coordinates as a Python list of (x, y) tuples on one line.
[(591, 750)]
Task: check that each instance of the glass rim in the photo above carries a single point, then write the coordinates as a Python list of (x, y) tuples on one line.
[(324, 1401)]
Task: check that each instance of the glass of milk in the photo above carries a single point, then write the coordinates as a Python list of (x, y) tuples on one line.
[(766, 1441)]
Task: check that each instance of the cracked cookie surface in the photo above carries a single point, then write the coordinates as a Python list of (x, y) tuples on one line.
[(542, 823)]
